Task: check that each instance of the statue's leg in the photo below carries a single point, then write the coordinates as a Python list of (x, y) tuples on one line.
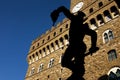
[(67, 58)]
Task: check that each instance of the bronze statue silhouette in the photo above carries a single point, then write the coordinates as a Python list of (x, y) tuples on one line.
[(73, 57)]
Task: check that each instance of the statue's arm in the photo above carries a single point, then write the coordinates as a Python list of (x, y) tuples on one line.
[(93, 36), (66, 12)]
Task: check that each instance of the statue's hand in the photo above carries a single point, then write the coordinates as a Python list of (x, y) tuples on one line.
[(93, 49)]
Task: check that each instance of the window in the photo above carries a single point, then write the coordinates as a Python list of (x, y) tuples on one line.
[(51, 63), (114, 11), (100, 4), (57, 45), (33, 57), (41, 67), (52, 47), (36, 56), (44, 52), (40, 51), (93, 23), (54, 34), (112, 55), (114, 74), (100, 20), (66, 25), (37, 44), (107, 36), (61, 40), (66, 39), (32, 71), (43, 41), (61, 29), (91, 10), (48, 37), (110, 34), (48, 49), (107, 16)]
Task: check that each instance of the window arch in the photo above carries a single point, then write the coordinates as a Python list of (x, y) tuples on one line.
[(66, 39), (100, 4), (56, 45), (107, 15), (61, 41), (51, 63), (110, 34), (54, 34), (107, 36), (114, 11), (36, 56), (48, 49), (44, 52), (52, 47), (114, 73), (61, 29), (100, 20), (93, 23), (112, 55), (32, 71), (40, 53), (41, 67)]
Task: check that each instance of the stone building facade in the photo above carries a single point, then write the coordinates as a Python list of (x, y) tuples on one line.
[(46, 51)]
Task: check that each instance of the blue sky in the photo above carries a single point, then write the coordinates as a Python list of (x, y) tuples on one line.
[(21, 21)]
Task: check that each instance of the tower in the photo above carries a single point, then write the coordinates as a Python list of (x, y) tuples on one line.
[(46, 51)]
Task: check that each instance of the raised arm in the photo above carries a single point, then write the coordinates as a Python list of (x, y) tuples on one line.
[(54, 15), (66, 12)]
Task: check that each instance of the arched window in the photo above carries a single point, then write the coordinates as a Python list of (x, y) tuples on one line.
[(48, 37), (36, 56), (51, 63), (93, 23), (32, 71), (44, 52), (100, 20), (112, 55), (54, 34), (114, 11), (66, 39), (62, 42), (110, 34), (61, 29), (100, 4), (107, 15), (41, 67), (66, 25), (57, 45), (107, 36), (52, 47), (33, 57), (48, 49), (114, 74), (40, 52)]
